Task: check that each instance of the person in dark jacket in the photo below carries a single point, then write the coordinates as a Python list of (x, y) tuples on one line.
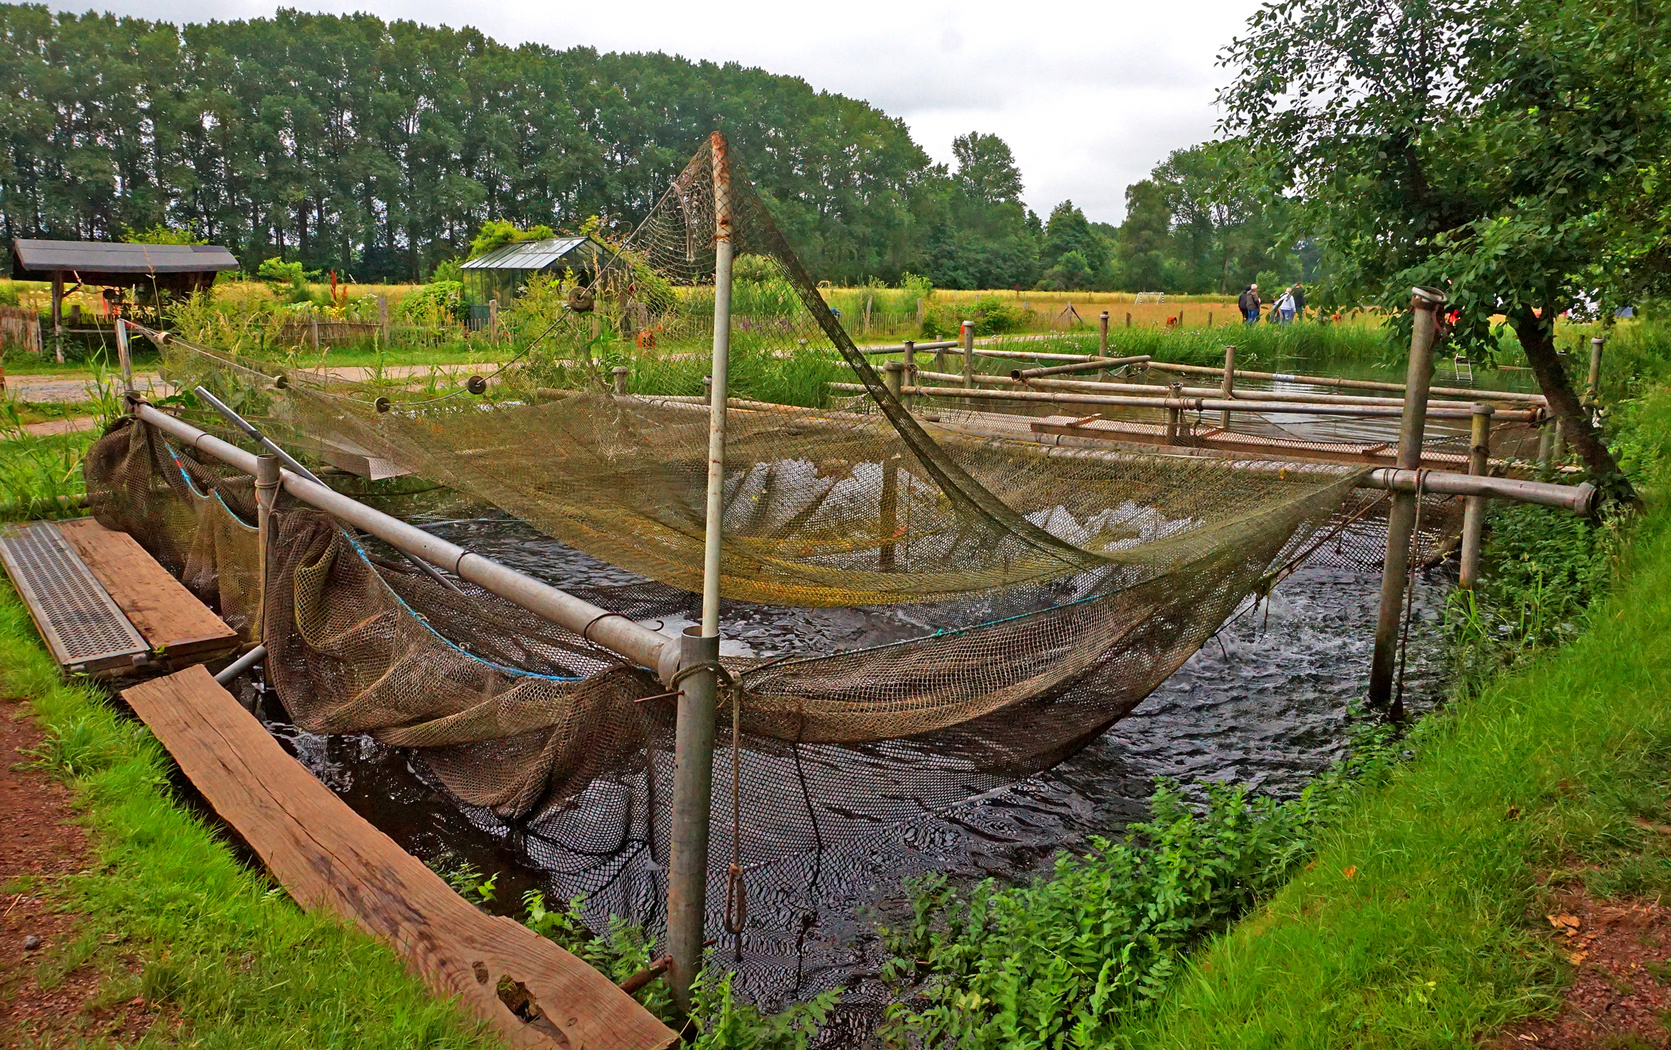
[(1298, 294), (1249, 304)]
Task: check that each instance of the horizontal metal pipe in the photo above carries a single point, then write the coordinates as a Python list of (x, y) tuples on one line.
[(1093, 387), (240, 665), (1361, 384), (945, 344), (1077, 366), (1185, 404), (614, 631)]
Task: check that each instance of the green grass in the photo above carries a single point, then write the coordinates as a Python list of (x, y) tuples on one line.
[(1420, 921), (220, 949)]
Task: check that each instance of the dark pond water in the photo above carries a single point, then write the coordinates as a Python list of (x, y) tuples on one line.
[(1264, 703)]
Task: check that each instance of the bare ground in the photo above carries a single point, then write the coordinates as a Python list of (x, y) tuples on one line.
[(58, 982)]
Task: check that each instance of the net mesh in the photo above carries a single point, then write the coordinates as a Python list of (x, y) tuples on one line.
[(1042, 593)]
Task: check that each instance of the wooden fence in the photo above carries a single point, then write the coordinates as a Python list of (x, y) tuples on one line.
[(20, 329)]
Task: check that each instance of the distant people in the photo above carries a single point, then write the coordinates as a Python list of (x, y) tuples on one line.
[(1298, 292), (1285, 307), (1249, 304)]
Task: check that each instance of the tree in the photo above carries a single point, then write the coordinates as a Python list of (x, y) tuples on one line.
[(1510, 153), (986, 168), (1145, 238), (1069, 231)]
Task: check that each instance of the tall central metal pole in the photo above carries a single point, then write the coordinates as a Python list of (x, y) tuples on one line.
[(693, 748), (1402, 514)]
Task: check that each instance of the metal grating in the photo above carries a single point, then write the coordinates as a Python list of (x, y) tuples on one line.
[(85, 629)]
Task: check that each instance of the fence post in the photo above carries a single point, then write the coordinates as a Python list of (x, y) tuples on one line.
[(1593, 392), (267, 479), (1402, 513), (383, 320), (891, 373), (693, 748), (967, 334), (1128, 318), (1546, 448), (313, 327), (618, 377), (1473, 514), (910, 369), (493, 320), (123, 357), (1227, 389)]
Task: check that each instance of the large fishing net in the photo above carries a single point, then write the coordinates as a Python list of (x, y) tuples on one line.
[(1029, 596)]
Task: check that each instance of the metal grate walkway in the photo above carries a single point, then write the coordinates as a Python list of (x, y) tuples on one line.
[(87, 632)]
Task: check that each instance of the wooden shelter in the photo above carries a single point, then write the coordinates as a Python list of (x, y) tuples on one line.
[(178, 269)]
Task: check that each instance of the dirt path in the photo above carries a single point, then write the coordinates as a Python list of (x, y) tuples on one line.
[(61, 426), (39, 1002)]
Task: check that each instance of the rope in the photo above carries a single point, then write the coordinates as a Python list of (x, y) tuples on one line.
[(736, 893), (1409, 596)]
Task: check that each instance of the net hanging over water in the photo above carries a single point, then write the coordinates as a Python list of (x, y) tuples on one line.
[(1041, 594)]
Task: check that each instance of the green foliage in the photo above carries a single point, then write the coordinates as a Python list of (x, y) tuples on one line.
[(1072, 273), (278, 271), (1060, 962), (448, 271), (161, 234), (438, 302), (724, 1023), (497, 233), (38, 473)]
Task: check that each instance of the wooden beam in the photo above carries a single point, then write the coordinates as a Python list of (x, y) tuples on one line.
[(170, 618), (329, 857)]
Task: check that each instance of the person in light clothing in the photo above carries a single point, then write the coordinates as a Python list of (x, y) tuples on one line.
[(1285, 306)]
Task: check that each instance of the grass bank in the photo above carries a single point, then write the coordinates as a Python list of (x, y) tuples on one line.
[(223, 956)]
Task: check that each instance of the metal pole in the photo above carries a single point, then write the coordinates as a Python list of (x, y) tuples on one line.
[(123, 356), (1402, 513), (1473, 515), (268, 477), (1102, 334), (256, 436), (1593, 392), (693, 748), (693, 783), (230, 673), (1227, 389), (968, 337)]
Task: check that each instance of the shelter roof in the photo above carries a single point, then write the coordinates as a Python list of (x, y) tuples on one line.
[(96, 257), (533, 255)]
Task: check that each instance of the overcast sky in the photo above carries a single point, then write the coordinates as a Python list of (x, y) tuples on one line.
[(1089, 95)]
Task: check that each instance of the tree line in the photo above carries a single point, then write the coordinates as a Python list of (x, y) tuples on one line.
[(379, 149)]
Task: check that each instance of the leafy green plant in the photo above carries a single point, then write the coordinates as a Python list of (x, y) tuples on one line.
[(1060, 962)]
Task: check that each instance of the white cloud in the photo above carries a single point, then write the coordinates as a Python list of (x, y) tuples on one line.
[(1089, 95)]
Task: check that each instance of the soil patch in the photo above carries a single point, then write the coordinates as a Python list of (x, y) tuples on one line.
[(1620, 996), (48, 992)]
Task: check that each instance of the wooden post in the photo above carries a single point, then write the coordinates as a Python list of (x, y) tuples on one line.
[(383, 320), (1473, 514), (1592, 393), (967, 333), (123, 356), (267, 480), (1128, 318), (1227, 389), (1172, 417), (1209, 318), (891, 373), (1401, 514), (888, 514), (313, 327), (910, 369), (618, 377), (493, 320), (1558, 454), (1546, 448), (58, 316)]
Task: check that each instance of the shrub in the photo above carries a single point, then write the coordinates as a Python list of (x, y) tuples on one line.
[(496, 234), (434, 303)]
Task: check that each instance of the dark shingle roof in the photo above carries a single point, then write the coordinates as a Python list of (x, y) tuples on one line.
[(99, 257)]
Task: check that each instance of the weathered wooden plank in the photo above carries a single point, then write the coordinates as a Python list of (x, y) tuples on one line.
[(169, 617), (327, 856)]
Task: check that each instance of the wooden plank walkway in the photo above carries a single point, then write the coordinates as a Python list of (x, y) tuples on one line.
[(327, 856), (170, 618)]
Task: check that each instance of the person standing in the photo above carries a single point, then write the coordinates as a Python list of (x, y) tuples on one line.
[(1298, 292), (1285, 306), (1249, 304)]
